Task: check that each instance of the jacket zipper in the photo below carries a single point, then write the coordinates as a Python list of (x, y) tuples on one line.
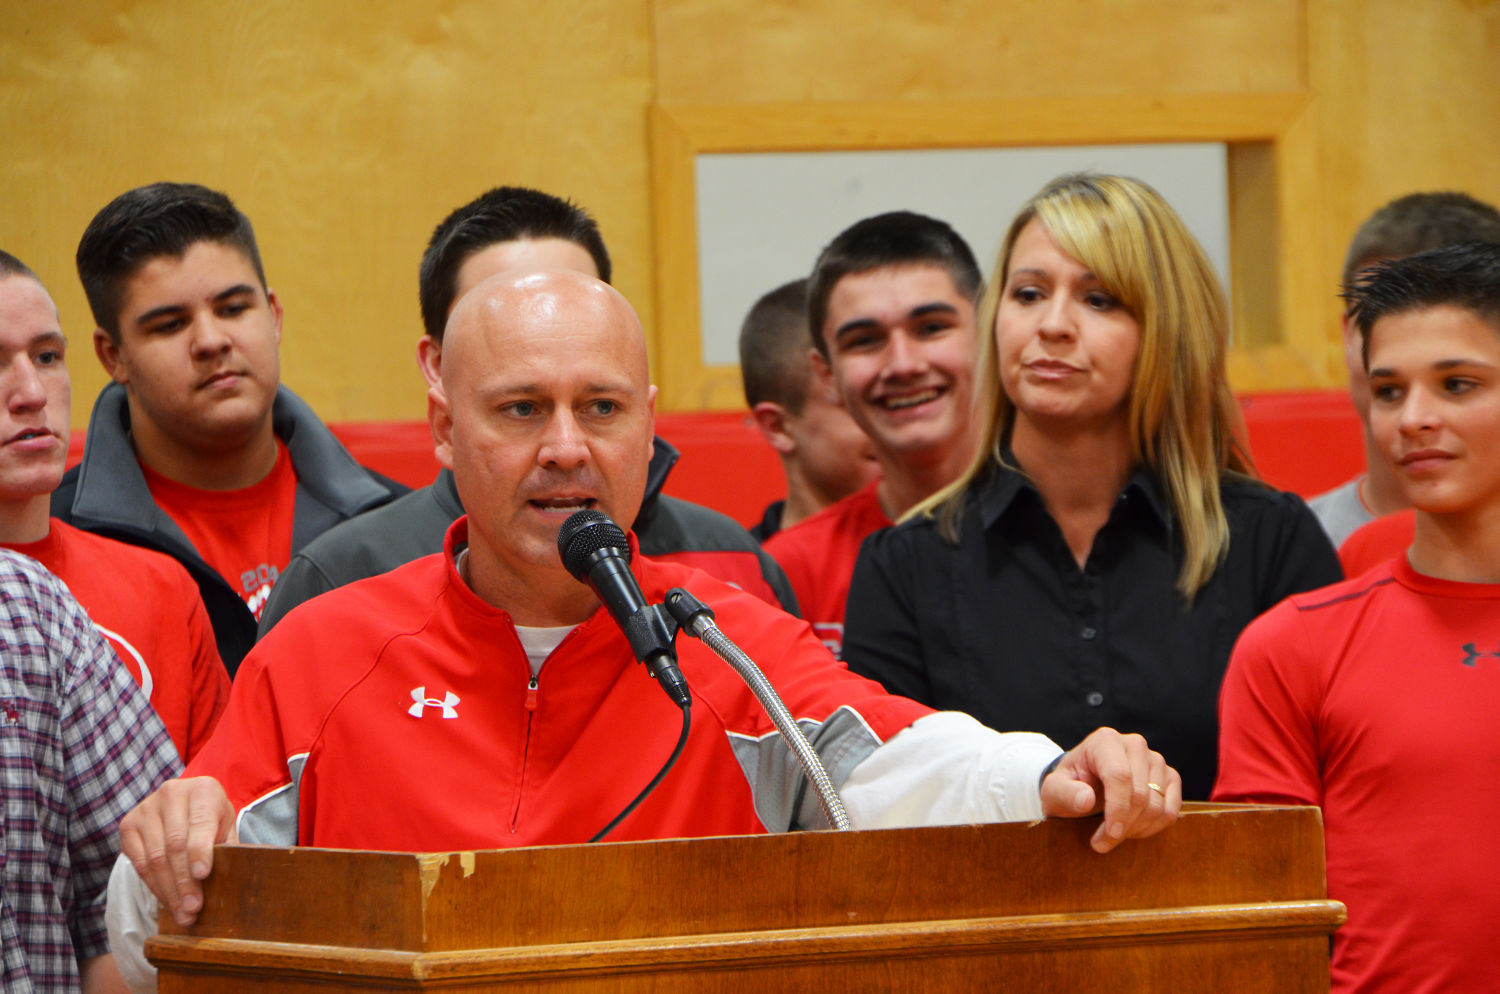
[(531, 694)]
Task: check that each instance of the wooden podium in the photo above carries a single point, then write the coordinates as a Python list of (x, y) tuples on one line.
[(1232, 898)]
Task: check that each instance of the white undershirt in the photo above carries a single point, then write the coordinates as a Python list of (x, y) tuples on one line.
[(539, 643)]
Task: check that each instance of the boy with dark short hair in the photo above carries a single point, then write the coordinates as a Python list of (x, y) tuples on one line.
[(1407, 225), (196, 449), (891, 310), (1375, 698), (825, 455)]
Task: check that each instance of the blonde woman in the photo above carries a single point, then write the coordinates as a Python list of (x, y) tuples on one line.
[(1097, 561)]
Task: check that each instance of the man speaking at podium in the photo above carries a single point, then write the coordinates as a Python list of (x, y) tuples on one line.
[(413, 710)]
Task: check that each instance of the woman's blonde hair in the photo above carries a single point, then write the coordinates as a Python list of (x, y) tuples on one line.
[(1183, 417)]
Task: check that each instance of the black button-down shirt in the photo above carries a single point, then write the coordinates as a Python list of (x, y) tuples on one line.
[(1007, 627)]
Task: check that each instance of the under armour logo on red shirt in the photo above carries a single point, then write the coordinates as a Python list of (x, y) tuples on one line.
[(449, 703), (1473, 654)]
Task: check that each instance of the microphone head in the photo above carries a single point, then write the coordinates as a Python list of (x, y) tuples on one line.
[(585, 533)]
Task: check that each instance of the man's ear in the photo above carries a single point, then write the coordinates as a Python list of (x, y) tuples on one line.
[(823, 378), (430, 360), (440, 421), (108, 351), (771, 419), (274, 302)]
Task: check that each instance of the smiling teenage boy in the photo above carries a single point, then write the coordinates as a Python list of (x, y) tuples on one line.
[(1375, 698), (196, 449), (891, 310)]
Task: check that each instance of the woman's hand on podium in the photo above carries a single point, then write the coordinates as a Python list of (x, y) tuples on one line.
[(1119, 774), (170, 836)]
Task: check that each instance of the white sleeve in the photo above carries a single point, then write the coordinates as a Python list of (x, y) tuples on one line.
[(131, 912), (948, 769)]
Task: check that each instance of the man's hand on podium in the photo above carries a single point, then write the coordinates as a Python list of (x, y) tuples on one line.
[(170, 836), (1141, 794)]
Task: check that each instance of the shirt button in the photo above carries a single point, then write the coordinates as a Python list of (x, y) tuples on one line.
[(1094, 698), (1088, 633)]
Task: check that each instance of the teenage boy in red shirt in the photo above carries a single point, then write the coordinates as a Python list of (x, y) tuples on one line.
[(1375, 698), (825, 455), (891, 309), (143, 603), (196, 449)]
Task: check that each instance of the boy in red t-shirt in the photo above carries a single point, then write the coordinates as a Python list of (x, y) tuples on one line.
[(825, 455), (891, 310), (1375, 698), (196, 449), (144, 603)]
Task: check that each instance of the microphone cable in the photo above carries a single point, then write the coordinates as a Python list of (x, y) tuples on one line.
[(687, 720), (594, 550)]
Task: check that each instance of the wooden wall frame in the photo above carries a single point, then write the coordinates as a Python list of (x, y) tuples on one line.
[(1284, 304)]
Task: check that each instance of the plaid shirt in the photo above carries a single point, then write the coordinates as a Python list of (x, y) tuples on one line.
[(79, 746)]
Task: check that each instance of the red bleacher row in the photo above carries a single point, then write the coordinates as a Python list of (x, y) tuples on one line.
[(1305, 442)]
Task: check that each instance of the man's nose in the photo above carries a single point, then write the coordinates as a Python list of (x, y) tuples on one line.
[(24, 390), (564, 444)]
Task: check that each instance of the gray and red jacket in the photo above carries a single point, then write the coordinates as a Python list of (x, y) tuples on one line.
[(106, 493)]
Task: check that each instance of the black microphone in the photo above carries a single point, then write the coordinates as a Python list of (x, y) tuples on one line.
[(594, 550)]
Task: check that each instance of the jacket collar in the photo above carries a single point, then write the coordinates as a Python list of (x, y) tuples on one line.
[(324, 468), (445, 492), (663, 457), (112, 489)]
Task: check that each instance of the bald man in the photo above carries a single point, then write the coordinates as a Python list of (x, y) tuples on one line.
[(479, 698), (514, 229)]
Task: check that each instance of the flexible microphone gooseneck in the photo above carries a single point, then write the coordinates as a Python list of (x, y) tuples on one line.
[(698, 620), (594, 551)]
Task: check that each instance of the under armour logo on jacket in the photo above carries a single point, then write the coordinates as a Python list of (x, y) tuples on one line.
[(423, 702), (1472, 654)]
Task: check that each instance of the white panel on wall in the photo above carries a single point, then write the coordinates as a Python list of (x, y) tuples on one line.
[(763, 217)]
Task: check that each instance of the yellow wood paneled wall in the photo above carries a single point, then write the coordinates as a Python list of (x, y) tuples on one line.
[(347, 128), (1410, 100)]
